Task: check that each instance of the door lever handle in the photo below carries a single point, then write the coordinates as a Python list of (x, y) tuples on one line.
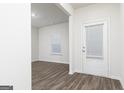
[(83, 50)]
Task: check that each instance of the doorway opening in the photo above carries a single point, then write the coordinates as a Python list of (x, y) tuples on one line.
[(50, 43)]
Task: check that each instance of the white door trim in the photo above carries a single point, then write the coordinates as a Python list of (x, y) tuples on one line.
[(106, 23)]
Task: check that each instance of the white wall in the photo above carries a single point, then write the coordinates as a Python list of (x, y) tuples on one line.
[(66, 8), (15, 45), (35, 43), (122, 65), (45, 35), (94, 12)]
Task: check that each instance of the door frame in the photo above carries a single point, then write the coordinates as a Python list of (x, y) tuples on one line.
[(106, 45)]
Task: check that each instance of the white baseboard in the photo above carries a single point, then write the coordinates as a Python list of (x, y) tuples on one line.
[(71, 73), (34, 60), (118, 78), (122, 82), (115, 77), (63, 62)]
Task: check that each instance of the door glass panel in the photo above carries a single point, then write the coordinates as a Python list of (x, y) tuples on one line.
[(94, 41)]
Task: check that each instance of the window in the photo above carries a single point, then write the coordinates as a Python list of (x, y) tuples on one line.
[(56, 44)]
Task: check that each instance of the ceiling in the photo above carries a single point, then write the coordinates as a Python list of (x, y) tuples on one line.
[(79, 5), (44, 14)]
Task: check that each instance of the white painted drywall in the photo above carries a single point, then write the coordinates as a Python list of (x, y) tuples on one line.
[(122, 21), (94, 12), (66, 7), (15, 45), (71, 47), (45, 37), (35, 43)]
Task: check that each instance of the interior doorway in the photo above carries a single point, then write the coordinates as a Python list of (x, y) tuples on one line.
[(50, 43)]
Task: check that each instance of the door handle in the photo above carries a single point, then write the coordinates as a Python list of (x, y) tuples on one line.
[(83, 50)]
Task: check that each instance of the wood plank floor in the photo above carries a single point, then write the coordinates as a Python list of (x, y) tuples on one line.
[(54, 76)]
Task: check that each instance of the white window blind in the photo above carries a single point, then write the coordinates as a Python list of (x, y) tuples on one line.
[(56, 44), (94, 40)]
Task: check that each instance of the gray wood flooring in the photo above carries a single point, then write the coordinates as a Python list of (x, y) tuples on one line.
[(54, 76)]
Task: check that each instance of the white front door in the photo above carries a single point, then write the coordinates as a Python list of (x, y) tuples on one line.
[(94, 48)]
